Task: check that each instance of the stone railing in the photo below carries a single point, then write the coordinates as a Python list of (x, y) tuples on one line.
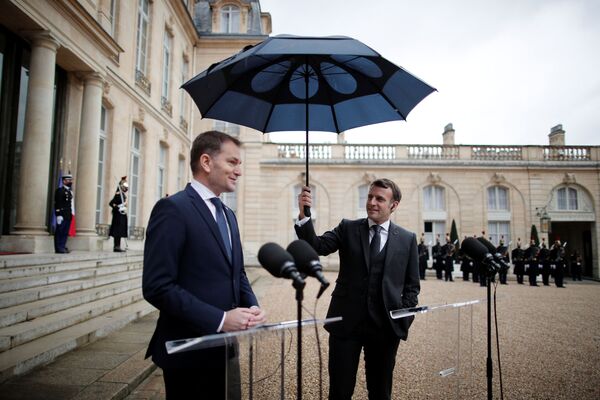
[(369, 152), (137, 232), (567, 153), (433, 152), (502, 153), (437, 153)]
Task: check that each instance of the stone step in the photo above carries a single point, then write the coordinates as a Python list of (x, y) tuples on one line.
[(45, 349), (18, 334), (35, 309), (41, 269), (10, 299), (27, 260), (87, 272)]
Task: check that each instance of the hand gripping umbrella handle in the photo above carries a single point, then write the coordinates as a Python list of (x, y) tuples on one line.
[(306, 211)]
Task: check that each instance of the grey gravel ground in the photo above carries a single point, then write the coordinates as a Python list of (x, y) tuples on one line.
[(549, 343)]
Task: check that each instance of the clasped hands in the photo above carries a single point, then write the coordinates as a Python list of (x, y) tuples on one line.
[(241, 318)]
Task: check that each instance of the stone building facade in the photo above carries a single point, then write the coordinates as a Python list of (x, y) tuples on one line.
[(92, 87)]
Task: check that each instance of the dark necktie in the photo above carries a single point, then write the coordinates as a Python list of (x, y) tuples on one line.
[(375, 245), (222, 224)]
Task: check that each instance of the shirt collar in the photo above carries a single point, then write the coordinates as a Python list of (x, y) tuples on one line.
[(385, 226), (204, 192)]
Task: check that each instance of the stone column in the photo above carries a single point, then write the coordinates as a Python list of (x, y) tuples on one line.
[(35, 158), (86, 178)]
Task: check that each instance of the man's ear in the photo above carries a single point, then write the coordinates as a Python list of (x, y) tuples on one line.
[(204, 162), (394, 205)]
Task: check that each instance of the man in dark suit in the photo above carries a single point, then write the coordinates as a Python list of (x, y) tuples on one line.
[(379, 272), (63, 210), (194, 274)]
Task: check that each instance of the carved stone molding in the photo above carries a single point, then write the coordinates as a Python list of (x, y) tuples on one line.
[(434, 178), (569, 178), (498, 178), (369, 177)]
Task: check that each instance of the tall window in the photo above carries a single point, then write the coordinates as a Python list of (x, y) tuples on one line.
[(134, 174), (112, 16), (182, 95), (567, 199), (227, 127), (230, 19), (433, 198), (498, 230), (167, 44), (142, 35), (181, 174), (363, 192), (433, 230), (161, 173), (497, 198), (101, 162)]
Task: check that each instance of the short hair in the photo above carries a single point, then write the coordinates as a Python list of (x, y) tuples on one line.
[(210, 143), (388, 184)]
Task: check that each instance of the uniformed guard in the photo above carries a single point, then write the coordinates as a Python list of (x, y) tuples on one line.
[(436, 253), (544, 263), (466, 264), (448, 259), (557, 263), (423, 257), (63, 210), (518, 262), (503, 251), (118, 226), (576, 266), (531, 262)]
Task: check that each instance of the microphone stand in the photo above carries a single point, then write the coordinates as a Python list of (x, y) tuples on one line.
[(299, 297), (489, 336)]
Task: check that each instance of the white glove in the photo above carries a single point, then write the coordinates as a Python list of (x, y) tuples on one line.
[(122, 209), (59, 220)]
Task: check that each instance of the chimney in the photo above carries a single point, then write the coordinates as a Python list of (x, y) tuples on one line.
[(448, 135), (557, 136)]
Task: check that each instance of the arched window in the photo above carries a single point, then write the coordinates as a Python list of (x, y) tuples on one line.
[(567, 199), (497, 198), (433, 198), (363, 192), (230, 19)]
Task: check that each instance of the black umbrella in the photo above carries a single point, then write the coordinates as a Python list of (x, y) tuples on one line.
[(294, 83)]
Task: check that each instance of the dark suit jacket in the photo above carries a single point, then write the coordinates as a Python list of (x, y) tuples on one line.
[(400, 283), (188, 278)]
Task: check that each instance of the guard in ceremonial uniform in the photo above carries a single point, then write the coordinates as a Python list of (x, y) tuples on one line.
[(438, 264), (448, 259), (423, 257), (531, 262), (576, 266), (518, 256), (557, 263), (118, 226), (544, 263), (503, 273), (63, 210)]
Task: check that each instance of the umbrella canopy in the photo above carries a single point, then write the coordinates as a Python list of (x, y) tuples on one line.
[(295, 83), (336, 83)]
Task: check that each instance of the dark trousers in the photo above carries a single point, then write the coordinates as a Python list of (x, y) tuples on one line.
[(380, 347), (465, 275), (520, 278), (203, 383), (503, 275), (60, 235)]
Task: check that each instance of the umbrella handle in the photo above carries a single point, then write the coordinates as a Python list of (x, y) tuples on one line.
[(306, 211)]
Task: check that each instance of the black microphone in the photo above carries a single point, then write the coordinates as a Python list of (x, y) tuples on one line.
[(307, 261), (279, 263), (492, 249), (478, 252)]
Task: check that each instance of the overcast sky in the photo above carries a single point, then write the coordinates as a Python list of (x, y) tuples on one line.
[(506, 71)]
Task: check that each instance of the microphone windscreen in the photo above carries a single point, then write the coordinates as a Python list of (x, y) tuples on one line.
[(489, 245), (303, 254), (273, 257), (474, 249)]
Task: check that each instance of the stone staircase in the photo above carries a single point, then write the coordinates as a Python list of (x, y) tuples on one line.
[(53, 303)]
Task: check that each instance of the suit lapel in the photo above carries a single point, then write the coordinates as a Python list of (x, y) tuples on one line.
[(206, 215), (364, 241)]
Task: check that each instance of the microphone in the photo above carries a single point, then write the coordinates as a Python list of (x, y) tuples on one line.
[(307, 261), (279, 263), (478, 252), (497, 256)]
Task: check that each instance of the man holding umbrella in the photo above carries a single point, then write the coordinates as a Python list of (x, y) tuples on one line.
[(379, 272)]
